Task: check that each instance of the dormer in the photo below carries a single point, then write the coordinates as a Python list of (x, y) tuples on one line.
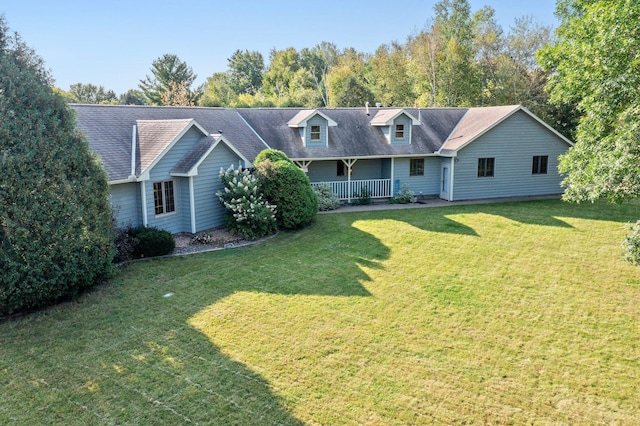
[(395, 125), (313, 127)]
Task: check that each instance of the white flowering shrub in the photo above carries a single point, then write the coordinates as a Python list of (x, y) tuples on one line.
[(247, 212), (404, 196), (327, 200)]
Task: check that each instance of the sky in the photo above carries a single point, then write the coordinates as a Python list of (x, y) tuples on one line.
[(113, 43)]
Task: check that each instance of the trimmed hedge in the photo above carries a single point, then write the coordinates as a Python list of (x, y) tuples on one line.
[(284, 184), (151, 242)]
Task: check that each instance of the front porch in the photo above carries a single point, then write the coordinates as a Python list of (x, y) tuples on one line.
[(350, 189)]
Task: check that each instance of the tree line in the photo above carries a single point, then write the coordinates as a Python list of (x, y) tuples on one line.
[(458, 59)]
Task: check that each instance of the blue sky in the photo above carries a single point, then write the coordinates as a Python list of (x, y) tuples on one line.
[(113, 43)]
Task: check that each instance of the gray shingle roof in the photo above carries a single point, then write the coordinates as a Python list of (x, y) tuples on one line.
[(109, 131), (185, 165), (354, 136)]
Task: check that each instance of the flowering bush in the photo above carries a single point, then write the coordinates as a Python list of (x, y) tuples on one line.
[(404, 196), (327, 200), (248, 213)]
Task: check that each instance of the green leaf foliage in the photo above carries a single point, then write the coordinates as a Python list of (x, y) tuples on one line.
[(284, 184), (151, 241), (55, 215), (596, 65)]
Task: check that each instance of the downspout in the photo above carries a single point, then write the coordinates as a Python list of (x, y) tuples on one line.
[(393, 175), (143, 189), (453, 162)]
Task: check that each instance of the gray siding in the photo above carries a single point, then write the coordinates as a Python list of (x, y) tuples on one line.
[(421, 185), (209, 210), (172, 222), (513, 144), (125, 201), (326, 171), (316, 121)]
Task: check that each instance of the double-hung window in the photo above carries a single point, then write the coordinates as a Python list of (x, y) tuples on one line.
[(399, 131), (540, 163), (315, 132), (486, 167), (416, 167), (163, 197)]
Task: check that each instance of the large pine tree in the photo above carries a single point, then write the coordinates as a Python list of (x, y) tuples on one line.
[(55, 216)]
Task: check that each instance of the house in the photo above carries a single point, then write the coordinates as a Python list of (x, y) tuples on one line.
[(163, 162)]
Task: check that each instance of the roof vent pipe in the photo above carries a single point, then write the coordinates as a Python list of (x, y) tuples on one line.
[(378, 104), (419, 116), (366, 107)]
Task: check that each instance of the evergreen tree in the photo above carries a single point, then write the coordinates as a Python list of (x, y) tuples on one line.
[(168, 72), (55, 216)]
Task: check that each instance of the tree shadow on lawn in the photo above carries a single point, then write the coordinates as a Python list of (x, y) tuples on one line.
[(550, 212), (130, 351), (534, 212)]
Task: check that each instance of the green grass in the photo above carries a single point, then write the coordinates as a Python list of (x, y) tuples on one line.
[(503, 313)]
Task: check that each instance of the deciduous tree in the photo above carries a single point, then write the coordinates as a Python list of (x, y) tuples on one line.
[(92, 94), (595, 65)]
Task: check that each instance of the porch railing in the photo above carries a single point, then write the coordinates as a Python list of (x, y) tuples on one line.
[(348, 190)]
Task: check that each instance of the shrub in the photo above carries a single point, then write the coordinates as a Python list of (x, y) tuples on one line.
[(151, 242), (287, 186), (56, 236), (124, 244), (327, 200), (631, 244), (364, 197), (272, 155), (404, 196), (247, 212)]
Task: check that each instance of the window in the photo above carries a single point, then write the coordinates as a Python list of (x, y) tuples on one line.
[(399, 131), (163, 197), (540, 164), (485, 167), (340, 168), (315, 132), (416, 167)]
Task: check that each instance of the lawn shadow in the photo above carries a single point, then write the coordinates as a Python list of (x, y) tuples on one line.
[(551, 211), (129, 351)]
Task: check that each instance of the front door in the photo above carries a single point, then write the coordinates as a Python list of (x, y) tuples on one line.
[(444, 183)]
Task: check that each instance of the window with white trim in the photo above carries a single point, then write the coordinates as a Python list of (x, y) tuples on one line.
[(399, 131), (315, 132), (486, 167), (163, 197)]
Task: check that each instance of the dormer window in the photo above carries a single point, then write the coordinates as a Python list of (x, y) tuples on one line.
[(315, 132), (313, 128), (395, 124)]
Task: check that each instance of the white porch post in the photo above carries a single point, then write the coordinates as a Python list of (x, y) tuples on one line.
[(192, 205), (349, 163), (143, 191), (393, 171), (304, 165)]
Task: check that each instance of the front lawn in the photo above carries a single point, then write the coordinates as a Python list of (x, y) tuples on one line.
[(501, 313)]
